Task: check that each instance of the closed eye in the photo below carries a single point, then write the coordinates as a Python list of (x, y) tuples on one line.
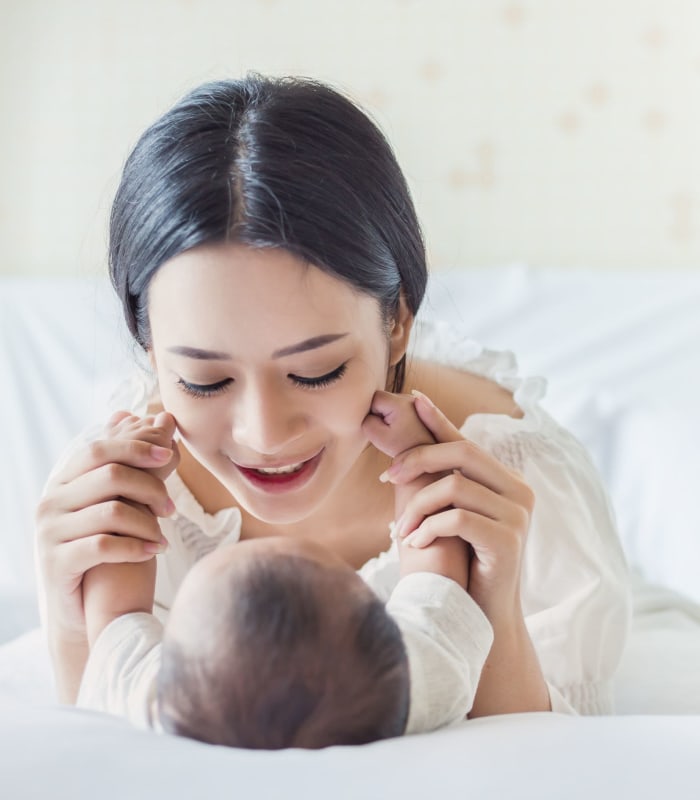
[(204, 390), (322, 380), (211, 389)]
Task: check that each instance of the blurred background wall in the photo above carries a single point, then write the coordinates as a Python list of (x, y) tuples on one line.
[(556, 132)]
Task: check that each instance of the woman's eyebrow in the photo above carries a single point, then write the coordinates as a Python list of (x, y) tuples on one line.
[(215, 355), (308, 344), (198, 353)]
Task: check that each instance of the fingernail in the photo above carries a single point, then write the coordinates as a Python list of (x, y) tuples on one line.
[(154, 547), (161, 420), (413, 540), (400, 528), (162, 454), (169, 507), (423, 397), (390, 473)]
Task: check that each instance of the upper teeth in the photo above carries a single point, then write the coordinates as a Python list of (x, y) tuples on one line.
[(278, 470)]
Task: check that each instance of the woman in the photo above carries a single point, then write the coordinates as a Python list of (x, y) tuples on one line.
[(269, 261)]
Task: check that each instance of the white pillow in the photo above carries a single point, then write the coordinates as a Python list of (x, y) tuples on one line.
[(654, 480)]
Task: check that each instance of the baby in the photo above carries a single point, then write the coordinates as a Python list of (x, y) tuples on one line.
[(278, 642)]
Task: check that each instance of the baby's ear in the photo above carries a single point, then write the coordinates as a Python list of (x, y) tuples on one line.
[(400, 331)]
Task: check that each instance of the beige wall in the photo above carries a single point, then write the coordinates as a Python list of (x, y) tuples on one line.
[(558, 132)]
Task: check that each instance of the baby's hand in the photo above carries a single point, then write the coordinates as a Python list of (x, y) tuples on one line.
[(110, 590), (158, 429), (393, 426)]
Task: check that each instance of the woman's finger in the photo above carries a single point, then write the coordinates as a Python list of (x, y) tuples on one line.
[(110, 482), (96, 454), (110, 517), (83, 554), (454, 490), (471, 461), (473, 528), (434, 420)]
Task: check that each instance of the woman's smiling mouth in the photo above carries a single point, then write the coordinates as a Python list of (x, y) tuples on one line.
[(283, 478)]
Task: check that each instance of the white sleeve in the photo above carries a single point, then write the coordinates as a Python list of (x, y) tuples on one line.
[(575, 586), (447, 639), (121, 671)]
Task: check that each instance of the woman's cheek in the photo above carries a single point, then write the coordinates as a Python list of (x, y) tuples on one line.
[(351, 407), (188, 416)]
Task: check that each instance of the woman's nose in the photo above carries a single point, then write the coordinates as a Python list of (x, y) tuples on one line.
[(265, 422)]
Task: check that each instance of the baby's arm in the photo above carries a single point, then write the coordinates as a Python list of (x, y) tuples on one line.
[(393, 426), (112, 590)]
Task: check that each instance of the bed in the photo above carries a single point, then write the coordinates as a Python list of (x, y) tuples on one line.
[(621, 351)]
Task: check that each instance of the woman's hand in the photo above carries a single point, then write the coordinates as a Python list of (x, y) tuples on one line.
[(101, 507), (479, 499), (489, 506)]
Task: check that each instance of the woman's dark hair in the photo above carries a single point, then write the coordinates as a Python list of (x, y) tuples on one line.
[(267, 162)]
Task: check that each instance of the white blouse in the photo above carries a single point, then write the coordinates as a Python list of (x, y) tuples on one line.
[(574, 587)]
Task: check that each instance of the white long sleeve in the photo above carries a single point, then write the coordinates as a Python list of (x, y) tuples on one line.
[(121, 672), (447, 639)]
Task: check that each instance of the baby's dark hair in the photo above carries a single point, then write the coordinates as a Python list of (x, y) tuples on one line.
[(304, 664)]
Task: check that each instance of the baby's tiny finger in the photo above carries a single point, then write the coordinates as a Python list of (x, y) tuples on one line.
[(117, 417)]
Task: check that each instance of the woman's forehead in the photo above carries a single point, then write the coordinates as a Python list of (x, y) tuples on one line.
[(264, 291)]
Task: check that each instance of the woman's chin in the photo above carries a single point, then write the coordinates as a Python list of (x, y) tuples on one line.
[(277, 512)]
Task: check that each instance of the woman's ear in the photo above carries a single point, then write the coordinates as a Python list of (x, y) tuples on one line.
[(400, 332)]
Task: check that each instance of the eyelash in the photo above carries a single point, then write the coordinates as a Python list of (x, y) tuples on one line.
[(211, 389)]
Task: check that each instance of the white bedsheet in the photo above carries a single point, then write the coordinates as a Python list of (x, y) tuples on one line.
[(528, 756)]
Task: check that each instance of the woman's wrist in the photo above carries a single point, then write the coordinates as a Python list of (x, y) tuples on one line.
[(69, 658), (69, 652), (512, 680)]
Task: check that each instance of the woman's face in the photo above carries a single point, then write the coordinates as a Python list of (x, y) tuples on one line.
[(269, 366)]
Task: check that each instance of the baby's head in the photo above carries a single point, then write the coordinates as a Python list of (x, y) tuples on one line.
[(276, 643)]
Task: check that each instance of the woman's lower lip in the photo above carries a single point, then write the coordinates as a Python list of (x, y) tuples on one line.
[(277, 483)]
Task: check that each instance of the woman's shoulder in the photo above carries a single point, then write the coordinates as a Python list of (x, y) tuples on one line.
[(460, 394), (465, 379), (483, 394)]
